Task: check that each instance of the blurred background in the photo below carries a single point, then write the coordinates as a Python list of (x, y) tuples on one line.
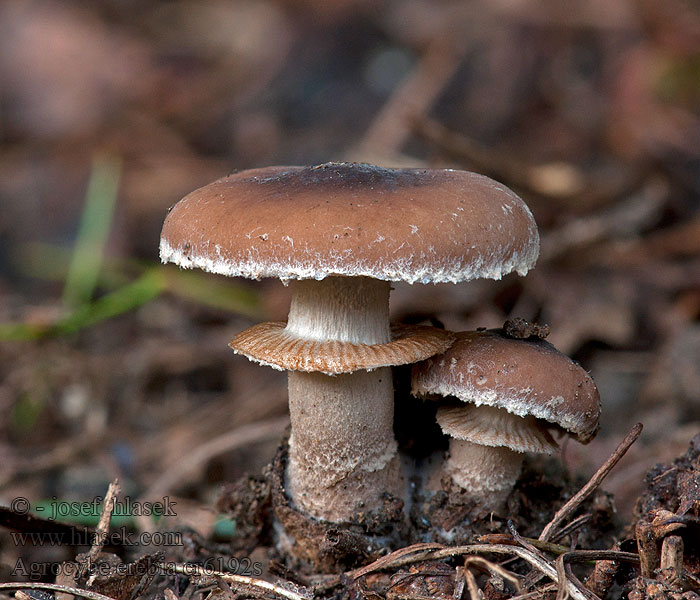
[(112, 110)]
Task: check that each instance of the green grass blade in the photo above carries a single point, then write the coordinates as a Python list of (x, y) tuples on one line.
[(137, 293), (128, 297), (95, 224), (216, 292)]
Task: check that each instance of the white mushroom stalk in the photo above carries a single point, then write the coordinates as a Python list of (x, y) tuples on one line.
[(488, 473), (342, 452), (345, 309), (487, 448), (337, 347)]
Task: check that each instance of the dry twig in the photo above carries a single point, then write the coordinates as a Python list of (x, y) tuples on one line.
[(565, 511), (86, 560), (570, 528), (54, 587), (649, 533), (538, 593), (588, 555), (524, 543), (474, 592), (414, 554), (557, 573), (564, 573), (261, 586), (494, 569), (672, 558), (508, 539), (388, 561), (601, 578), (460, 581)]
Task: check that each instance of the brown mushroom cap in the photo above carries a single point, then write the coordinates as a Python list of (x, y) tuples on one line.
[(525, 377), (272, 345), (415, 225)]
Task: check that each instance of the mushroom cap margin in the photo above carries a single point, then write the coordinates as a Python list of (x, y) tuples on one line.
[(525, 377)]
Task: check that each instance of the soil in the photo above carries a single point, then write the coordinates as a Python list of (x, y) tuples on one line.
[(384, 553), (667, 514), (311, 546), (674, 487)]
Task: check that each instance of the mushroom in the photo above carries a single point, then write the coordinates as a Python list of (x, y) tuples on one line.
[(515, 390), (341, 232)]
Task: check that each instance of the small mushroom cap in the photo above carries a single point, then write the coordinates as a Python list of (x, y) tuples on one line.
[(272, 345), (489, 426), (525, 377), (415, 225)]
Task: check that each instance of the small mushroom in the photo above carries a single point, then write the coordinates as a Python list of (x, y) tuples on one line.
[(341, 233), (515, 390)]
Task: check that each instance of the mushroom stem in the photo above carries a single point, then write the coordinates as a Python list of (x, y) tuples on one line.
[(340, 308), (488, 473), (342, 454)]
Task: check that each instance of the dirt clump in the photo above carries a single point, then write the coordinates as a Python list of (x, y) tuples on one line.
[(265, 516), (674, 487), (451, 516), (667, 530)]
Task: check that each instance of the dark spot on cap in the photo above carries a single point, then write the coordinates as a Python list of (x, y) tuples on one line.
[(345, 175)]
